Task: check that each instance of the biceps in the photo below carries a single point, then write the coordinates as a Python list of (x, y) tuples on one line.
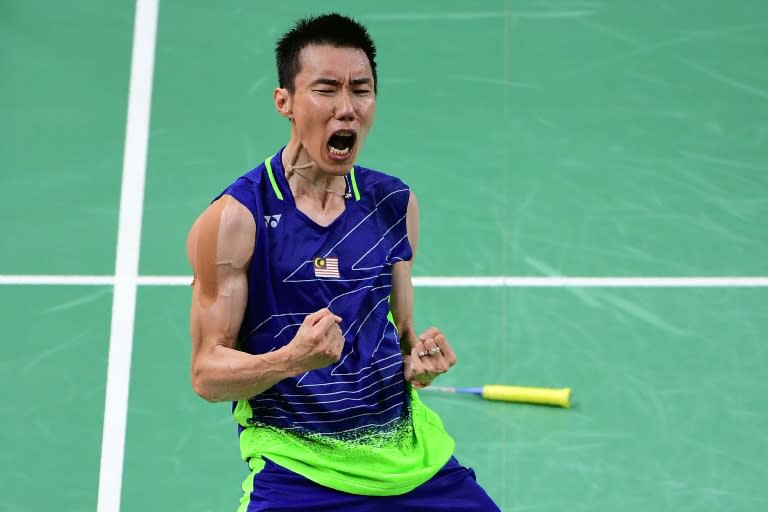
[(220, 246)]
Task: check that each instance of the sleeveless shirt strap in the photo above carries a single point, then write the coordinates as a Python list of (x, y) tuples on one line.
[(279, 194), (268, 165), (354, 184)]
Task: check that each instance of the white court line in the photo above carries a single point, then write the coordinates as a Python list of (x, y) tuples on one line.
[(127, 260), (591, 282), (446, 282)]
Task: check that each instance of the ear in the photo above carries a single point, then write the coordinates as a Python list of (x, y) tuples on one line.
[(283, 102)]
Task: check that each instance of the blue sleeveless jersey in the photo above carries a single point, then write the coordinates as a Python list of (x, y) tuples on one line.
[(299, 267)]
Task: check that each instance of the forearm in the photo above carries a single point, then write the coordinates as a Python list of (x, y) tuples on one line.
[(224, 374), (408, 337), (402, 306)]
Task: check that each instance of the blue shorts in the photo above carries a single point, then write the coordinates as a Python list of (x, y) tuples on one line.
[(452, 489)]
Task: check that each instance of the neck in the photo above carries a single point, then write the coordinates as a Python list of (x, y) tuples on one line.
[(306, 179)]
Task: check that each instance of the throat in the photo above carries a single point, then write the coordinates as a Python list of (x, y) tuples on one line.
[(322, 204), (328, 188), (322, 213)]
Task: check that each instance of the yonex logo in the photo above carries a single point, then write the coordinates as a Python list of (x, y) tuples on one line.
[(272, 220)]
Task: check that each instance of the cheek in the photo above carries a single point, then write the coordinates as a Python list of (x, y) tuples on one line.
[(366, 108), (311, 117), (314, 111), (315, 105)]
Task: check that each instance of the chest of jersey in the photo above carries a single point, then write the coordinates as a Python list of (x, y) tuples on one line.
[(360, 244)]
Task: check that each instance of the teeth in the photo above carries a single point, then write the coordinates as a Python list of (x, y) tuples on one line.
[(344, 134), (340, 152)]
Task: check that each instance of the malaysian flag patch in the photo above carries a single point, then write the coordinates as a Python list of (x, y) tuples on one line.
[(327, 267)]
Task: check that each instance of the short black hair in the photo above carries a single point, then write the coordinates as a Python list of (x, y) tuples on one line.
[(332, 29)]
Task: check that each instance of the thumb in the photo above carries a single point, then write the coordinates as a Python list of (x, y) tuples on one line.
[(407, 367)]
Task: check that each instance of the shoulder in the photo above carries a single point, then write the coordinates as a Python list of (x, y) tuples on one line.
[(227, 217), (224, 232), (377, 183), (255, 190), (373, 177), (234, 217)]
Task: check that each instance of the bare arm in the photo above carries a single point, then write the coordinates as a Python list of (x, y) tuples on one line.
[(219, 248), (420, 370), (402, 288)]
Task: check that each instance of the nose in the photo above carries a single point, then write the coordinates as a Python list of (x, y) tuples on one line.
[(344, 109)]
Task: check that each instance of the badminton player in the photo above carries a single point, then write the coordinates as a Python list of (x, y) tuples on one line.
[(302, 309)]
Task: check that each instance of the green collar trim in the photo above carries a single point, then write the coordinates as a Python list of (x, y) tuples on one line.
[(354, 184), (268, 164), (279, 194)]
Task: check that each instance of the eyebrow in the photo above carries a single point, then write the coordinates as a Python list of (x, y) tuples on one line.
[(334, 82)]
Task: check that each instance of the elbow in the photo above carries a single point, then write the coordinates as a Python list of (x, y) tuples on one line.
[(202, 387)]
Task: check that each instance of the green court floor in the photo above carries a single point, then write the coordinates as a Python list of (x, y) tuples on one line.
[(543, 138)]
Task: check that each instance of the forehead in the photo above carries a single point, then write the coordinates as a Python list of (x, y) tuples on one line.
[(333, 61)]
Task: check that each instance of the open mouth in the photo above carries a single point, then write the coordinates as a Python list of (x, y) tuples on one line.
[(340, 144)]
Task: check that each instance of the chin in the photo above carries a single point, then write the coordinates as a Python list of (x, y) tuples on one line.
[(337, 166)]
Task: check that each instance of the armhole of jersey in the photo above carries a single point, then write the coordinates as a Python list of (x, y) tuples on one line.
[(390, 316)]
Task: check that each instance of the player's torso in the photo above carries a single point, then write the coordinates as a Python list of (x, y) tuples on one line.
[(299, 267)]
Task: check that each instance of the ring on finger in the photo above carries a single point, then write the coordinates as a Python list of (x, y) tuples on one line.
[(424, 353), (434, 351)]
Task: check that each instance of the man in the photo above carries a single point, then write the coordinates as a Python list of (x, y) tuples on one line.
[(302, 309)]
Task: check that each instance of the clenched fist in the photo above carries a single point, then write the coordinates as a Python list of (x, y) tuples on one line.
[(318, 342), (429, 357)]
